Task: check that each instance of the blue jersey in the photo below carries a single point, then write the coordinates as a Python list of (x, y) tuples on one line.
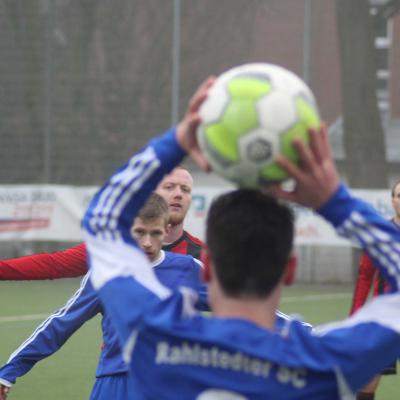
[(166, 340), (173, 270)]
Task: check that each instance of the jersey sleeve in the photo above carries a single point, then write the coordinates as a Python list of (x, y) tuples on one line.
[(69, 263), (365, 277), (121, 272), (372, 333), (53, 332), (364, 344), (359, 222), (284, 321)]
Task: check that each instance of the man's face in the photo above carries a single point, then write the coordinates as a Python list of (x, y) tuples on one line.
[(176, 189), (150, 235), (396, 200)]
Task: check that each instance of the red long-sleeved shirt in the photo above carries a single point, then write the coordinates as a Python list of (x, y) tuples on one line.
[(72, 262), (68, 263), (367, 277)]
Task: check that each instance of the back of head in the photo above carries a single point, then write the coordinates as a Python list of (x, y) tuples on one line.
[(250, 238)]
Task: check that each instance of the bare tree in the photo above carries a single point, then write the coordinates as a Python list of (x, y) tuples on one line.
[(364, 140), (389, 9)]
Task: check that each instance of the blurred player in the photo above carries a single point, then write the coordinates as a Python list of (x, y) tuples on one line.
[(369, 276), (174, 270), (236, 353), (176, 188)]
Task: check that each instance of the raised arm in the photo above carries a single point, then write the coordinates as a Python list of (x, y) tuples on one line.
[(115, 257), (120, 271), (317, 186), (68, 263)]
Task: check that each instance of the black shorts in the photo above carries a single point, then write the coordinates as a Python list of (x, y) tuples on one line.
[(390, 370)]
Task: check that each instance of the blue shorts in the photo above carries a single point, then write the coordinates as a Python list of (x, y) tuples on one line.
[(115, 387)]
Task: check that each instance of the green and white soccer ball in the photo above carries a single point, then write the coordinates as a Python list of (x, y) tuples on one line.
[(251, 115)]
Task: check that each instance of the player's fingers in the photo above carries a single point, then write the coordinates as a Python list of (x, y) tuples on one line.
[(193, 122), (306, 155), (292, 169), (316, 145), (200, 94), (197, 156), (277, 191), (326, 150), (3, 392)]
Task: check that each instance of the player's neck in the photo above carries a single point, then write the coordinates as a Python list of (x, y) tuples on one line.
[(396, 220), (174, 234), (261, 312)]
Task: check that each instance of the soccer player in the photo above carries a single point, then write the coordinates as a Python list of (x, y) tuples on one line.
[(174, 270), (236, 353), (368, 276), (175, 188)]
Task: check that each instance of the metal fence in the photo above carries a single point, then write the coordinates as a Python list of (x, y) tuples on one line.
[(84, 83)]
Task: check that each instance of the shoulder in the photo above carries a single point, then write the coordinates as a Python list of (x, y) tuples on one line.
[(194, 239), (194, 245), (186, 244), (78, 251), (171, 257), (178, 260), (80, 248)]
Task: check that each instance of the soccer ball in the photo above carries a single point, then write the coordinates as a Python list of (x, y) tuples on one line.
[(251, 115)]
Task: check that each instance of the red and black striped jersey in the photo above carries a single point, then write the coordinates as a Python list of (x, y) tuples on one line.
[(186, 244)]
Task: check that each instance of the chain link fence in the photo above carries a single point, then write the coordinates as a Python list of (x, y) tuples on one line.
[(84, 83)]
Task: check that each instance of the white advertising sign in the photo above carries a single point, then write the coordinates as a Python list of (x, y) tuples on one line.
[(53, 212)]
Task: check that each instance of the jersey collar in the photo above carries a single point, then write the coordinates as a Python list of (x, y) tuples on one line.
[(159, 260)]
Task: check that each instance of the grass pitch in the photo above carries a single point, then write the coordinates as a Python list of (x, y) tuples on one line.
[(70, 373)]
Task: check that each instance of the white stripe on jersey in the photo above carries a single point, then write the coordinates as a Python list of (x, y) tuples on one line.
[(198, 262), (129, 346), (290, 318), (120, 190), (107, 197), (383, 310), (344, 389), (60, 313), (377, 242), (189, 299)]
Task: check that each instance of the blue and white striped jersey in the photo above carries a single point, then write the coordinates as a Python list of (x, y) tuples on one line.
[(166, 341)]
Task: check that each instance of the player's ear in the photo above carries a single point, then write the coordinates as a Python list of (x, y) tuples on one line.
[(205, 259), (290, 271)]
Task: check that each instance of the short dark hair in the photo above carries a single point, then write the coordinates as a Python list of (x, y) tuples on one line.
[(155, 207), (250, 238)]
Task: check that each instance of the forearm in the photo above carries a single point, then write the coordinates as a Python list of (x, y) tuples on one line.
[(109, 217), (359, 222), (114, 255), (52, 333), (69, 263)]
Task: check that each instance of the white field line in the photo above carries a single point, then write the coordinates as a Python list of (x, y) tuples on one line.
[(18, 318), (316, 297), (293, 299)]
